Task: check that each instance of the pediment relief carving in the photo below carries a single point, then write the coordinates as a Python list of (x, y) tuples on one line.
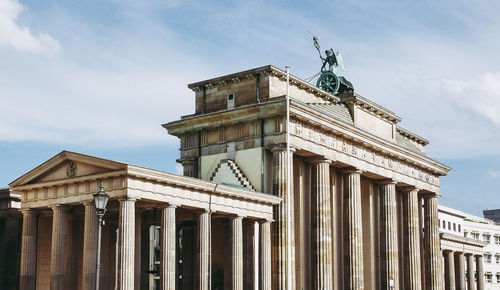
[(67, 165), (69, 169)]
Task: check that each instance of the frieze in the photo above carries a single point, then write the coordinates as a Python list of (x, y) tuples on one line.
[(319, 136)]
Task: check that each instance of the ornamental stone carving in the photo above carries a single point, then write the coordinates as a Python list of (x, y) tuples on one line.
[(353, 149)]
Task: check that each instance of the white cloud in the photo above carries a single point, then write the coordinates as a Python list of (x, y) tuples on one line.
[(179, 170), (21, 38), (480, 94), (494, 174)]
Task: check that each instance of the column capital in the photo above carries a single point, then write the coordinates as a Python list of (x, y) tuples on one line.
[(408, 188), (349, 170), (59, 207), (89, 203), (319, 160), (387, 181), (281, 147), (169, 205), (237, 217), (29, 212), (127, 198)]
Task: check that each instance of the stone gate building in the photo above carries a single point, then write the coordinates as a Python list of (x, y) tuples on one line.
[(361, 213), (358, 184)]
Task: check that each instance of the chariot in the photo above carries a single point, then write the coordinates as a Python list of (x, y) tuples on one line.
[(328, 80)]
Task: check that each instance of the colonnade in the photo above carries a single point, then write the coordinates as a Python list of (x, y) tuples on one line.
[(459, 277), (420, 268), (60, 272)]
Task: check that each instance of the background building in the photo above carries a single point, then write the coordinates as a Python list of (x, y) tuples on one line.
[(474, 232)]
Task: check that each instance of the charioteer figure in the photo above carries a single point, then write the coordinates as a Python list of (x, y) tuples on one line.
[(328, 80)]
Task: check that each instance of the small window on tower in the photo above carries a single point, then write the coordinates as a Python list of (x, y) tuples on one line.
[(230, 101)]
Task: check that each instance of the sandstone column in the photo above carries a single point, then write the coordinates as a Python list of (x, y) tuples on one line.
[(459, 271), (265, 256), (282, 246), (321, 226), (59, 249), (433, 255), (138, 243), (168, 248), (205, 234), (28, 250), (353, 234), (388, 236), (411, 233), (237, 253), (190, 168), (89, 246), (126, 263), (480, 272), (449, 270), (471, 281)]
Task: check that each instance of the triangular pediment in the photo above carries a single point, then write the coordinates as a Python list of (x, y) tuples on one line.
[(67, 165)]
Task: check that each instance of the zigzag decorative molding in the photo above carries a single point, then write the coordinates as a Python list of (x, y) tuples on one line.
[(235, 171)]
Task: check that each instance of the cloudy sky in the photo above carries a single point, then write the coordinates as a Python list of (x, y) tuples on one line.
[(100, 77)]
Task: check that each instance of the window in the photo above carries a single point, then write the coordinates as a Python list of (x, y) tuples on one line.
[(475, 236), (444, 225), (497, 259), (497, 240), (498, 278), (459, 228), (489, 278), (449, 225), (439, 222), (486, 238), (487, 258), (454, 227)]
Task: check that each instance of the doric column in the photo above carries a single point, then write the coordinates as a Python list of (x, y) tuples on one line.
[(168, 248), (321, 226), (388, 236), (204, 234), (284, 248), (459, 271), (90, 228), (471, 281), (353, 232), (411, 234), (237, 253), (265, 256), (190, 167), (126, 263), (28, 250), (480, 272), (449, 270), (59, 249), (138, 243), (433, 255)]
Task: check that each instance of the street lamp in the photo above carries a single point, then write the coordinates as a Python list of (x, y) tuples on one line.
[(101, 200)]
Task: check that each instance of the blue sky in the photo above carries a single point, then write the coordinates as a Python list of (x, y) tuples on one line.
[(100, 77)]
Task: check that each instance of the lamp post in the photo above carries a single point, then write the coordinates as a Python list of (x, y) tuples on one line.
[(101, 200)]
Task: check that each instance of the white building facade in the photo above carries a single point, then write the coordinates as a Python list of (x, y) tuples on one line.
[(473, 228)]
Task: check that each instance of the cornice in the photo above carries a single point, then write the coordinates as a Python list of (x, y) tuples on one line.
[(225, 118), (364, 103), (189, 182), (264, 70), (365, 138), (412, 136), (462, 240)]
